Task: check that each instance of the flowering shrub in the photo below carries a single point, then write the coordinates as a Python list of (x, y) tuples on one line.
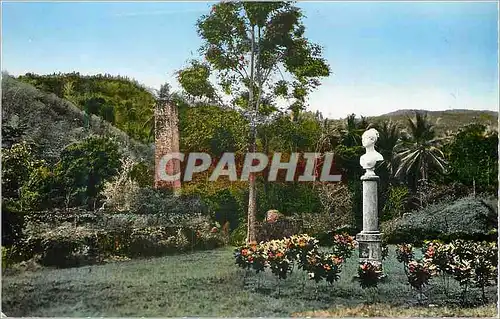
[(404, 253), (474, 263), (343, 245), (418, 274), (485, 263), (252, 256), (277, 258), (299, 247), (438, 256), (280, 256), (324, 266), (469, 263), (369, 274)]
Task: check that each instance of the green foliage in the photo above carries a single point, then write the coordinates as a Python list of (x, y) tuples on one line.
[(212, 129), (473, 157), (12, 224), (194, 80), (40, 191), (76, 237), (396, 202), (244, 42), (291, 198), (85, 166), (67, 246), (283, 227), (12, 133), (238, 235), (470, 263), (142, 173), (118, 100), (419, 154), (18, 163), (152, 201), (281, 134), (467, 218), (347, 161)]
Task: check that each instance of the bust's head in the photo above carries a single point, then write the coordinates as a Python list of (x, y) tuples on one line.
[(369, 137)]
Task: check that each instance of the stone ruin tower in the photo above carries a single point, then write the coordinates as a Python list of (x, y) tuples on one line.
[(166, 141)]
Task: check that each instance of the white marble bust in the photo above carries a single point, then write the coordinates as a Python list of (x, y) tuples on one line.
[(371, 157)]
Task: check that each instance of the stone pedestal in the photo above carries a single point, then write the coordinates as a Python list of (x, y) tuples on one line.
[(370, 248)]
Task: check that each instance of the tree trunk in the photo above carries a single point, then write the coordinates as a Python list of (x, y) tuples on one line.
[(474, 186), (252, 195)]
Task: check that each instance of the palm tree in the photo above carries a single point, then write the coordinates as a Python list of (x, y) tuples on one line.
[(353, 129), (389, 137), (419, 152)]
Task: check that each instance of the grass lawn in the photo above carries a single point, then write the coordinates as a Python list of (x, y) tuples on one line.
[(210, 284)]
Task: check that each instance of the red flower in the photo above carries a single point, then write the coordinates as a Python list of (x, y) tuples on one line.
[(214, 230)]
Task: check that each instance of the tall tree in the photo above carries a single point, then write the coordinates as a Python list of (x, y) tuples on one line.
[(419, 152), (257, 50)]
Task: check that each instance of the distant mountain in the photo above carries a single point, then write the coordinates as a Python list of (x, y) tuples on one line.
[(449, 120)]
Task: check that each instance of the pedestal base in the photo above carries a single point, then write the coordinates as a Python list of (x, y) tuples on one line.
[(370, 246)]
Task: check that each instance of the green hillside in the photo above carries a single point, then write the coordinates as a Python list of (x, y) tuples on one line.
[(52, 123), (444, 121), (121, 101)]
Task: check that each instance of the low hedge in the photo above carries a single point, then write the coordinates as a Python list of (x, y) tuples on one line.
[(467, 218), (68, 245)]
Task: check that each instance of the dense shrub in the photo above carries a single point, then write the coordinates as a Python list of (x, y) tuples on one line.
[(336, 213), (470, 263), (467, 218), (69, 245), (120, 192), (85, 166), (142, 174), (369, 274), (18, 163), (283, 227), (12, 224), (77, 216), (152, 201), (396, 202), (40, 191), (112, 97), (238, 235), (289, 198)]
